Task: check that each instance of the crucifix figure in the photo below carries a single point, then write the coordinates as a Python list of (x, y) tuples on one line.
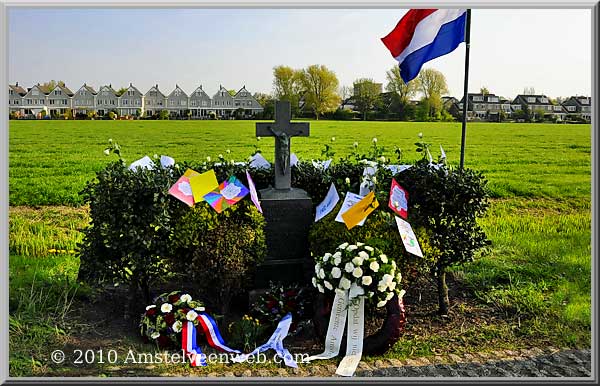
[(282, 129)]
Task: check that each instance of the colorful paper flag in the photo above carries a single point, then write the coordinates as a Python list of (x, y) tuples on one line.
[(227, 194), (359, 211), (190, 173), (203, 183), (183, 191), (398, 199), (328, 204), (408, 237), (350, 200), (253, 194)]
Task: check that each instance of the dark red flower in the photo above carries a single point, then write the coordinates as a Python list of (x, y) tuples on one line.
[(163, 341), (271, 304), (184, 310), (169, 318), (291, 293), (173, 298), (151, 312)]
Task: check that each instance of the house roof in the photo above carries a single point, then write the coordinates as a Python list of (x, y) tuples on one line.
[(523, 98), (580, 100), (155, 88), (64, 89), (18, 89), (178, 88), (131, 86)]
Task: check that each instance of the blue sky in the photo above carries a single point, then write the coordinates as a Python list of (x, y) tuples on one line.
[(549, 50)]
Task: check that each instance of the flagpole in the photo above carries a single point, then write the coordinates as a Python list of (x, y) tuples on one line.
[(466, 91)]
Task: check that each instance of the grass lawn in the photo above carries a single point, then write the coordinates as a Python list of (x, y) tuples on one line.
[(532, 289)]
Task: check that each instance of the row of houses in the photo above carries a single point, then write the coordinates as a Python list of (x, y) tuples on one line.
[(60, 99), (490, 107)]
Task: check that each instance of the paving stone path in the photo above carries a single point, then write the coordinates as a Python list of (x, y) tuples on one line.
[(569, 363), (549, 363)]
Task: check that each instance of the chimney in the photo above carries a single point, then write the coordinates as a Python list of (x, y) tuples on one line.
[(17, 84), (130, 85)]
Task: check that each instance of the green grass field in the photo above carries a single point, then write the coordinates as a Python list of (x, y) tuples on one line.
[(538, 273), (50, 161)]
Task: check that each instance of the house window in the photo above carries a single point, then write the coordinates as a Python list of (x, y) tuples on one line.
[(177, 92), (57, 92), (11, 92), (493, 99), (249, 103), (194, 103), (530, 99), (478, 98), (204, 103), (81, 92), (544, 100), (549, 108), (112, 102), (570, 108), (35, 92), (51, 101), (171, 103), (105, 93), (183, 103), (125, 102), (130, 93)]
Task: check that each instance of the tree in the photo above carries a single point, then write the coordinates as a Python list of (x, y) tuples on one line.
[(345, 93), (403, 91), (529, 91), (232, 92), (484, 90), (52, 84), (320, 89), (268, 103), (366, 95), (287, 86), (432, 84), (164, 115)]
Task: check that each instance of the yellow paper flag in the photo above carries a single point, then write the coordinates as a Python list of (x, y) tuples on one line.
[(360, 210), (202, 184), (190, 173)]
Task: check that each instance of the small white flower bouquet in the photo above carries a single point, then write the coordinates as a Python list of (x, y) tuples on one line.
[(360, 269)]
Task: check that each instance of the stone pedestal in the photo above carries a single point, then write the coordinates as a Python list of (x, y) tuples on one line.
[(288, 215)]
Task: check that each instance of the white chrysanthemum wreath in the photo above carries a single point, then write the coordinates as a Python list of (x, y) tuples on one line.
[(361, 270)]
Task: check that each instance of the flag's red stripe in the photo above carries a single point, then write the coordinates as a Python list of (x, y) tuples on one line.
[(207, 333), (397, 40), (184, 338)]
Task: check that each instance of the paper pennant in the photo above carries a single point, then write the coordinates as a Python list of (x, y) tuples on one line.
[(203, 183), (259, 162), (183, 191), (359, 211), (144, 163), (253, 194), (166, 161), (398, 199), (395, 169), (328, 204), (293, 159), (322, 164), (350, 200), (227, 194), (443, 153), (408, 237)]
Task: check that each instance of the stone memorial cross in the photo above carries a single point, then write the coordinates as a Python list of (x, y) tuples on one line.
[(282, 129)]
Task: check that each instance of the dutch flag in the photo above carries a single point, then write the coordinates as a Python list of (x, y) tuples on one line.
[(425, 34)]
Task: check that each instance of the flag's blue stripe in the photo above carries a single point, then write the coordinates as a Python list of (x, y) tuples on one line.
[(448, 38)]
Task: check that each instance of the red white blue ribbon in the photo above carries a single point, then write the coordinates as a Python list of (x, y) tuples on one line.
[(275, 342), (213, 335), (189, 346)]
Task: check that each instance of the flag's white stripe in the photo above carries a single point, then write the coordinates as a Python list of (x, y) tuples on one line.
[(427, 30), (189, 331), (213, 335)]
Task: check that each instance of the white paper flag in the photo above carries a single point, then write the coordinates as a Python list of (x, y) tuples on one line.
[(293, 159), (144, 163), (259, 162), (443, 153), (166, 161), (350, 200), (322, 164), (395, 169), (330, 201), (408, 237)]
